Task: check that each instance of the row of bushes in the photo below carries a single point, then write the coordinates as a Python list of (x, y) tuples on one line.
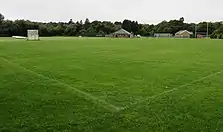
[(216, 36)]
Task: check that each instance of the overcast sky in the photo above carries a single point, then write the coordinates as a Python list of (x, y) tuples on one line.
[(144, 11)]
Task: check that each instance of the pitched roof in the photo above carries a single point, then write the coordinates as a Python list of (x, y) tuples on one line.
[(122, 31), (182, 31)]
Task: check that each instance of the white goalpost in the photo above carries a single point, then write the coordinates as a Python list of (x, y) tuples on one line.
[(32, 35)]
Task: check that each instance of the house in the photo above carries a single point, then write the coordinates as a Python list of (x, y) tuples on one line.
[(183, 34), (122, 33), (163, 35)]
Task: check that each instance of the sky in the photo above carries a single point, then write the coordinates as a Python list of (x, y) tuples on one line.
[(143, 11)]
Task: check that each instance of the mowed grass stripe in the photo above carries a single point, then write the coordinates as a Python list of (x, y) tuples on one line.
[(172, 90), (100, 102)]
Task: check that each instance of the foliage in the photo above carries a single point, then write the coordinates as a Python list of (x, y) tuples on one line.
[(218, 33), (101, 28), (220, 36), (213, 35), (1, 18)]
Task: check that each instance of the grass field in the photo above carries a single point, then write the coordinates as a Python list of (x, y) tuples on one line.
[(111, 85)]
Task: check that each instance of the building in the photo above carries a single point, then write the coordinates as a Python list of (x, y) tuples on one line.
[(122, 33), (163, 35), (201, 34), (183, 34)]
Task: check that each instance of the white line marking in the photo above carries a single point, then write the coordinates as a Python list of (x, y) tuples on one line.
[(102, 103), (168, 91)]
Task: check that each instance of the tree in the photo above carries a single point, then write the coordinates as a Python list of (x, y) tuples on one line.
[(213, 35), (160, 27), (19, 27), (176, 25), (220, 29), (182, 19), (220, 36), (127, 25), (142, 31), (87, 24), (1, 18), (71, 21), (87, 21), (81, 22), (202, 27), (134, 27), (70, 30), (43, 31), (59, 30), (118, 23)]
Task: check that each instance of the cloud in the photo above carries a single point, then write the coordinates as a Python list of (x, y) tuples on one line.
[(145, 11)]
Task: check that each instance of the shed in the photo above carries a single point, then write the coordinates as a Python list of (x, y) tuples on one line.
[(122, 33), (183, 34), (163, 35)]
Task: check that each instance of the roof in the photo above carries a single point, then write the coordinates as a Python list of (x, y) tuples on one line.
[(122, 31), (183, 31)]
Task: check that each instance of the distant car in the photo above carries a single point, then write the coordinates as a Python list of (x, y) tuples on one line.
[(138, 36)]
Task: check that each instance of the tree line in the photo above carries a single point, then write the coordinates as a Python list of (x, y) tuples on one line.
[(102, 28)]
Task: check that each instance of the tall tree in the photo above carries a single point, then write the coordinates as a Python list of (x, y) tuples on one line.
[(134, 27), (127, 25), (81, 22), (71, 21), (87, 24), (1, 18), (182, 19), (87, 21)]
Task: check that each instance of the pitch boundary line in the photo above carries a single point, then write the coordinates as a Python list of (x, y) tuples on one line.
[(102, 103), (171, 90)]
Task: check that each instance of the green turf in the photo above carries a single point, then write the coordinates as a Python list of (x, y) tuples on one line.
[(97, 84)]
